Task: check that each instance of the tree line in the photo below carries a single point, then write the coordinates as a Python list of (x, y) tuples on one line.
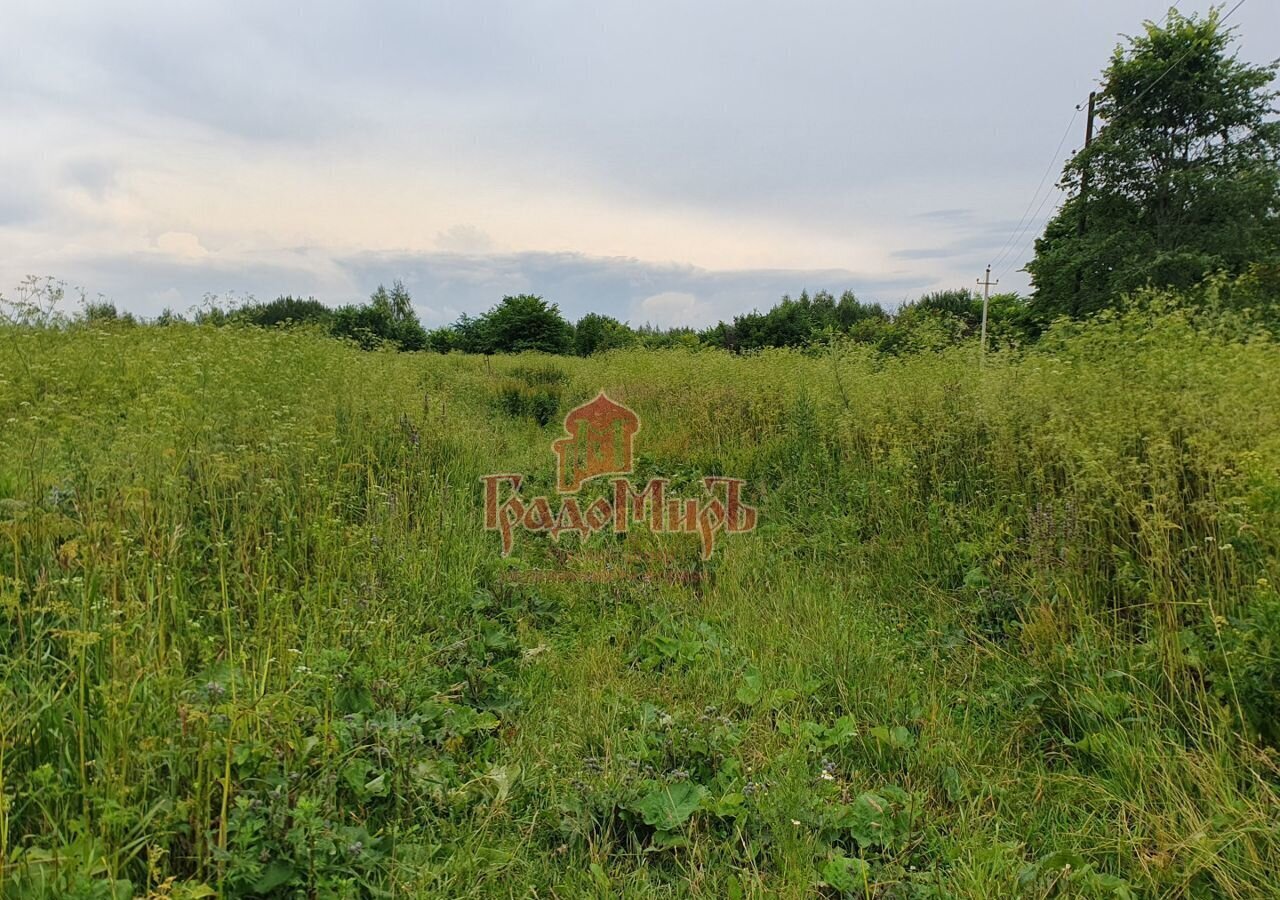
[(1179, 190), (527, 322)]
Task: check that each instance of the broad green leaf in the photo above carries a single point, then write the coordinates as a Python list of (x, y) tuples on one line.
[(848, 875), (751, 689), (277, 873), (670, 806)]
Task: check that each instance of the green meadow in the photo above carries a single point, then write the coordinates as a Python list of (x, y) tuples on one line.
[(1007, 628)]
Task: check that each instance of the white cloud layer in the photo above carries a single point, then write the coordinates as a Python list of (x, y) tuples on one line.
[(667, 160)]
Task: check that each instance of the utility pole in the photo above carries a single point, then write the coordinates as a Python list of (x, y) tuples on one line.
[(1084, 175), (1084, 190), (986, 296)]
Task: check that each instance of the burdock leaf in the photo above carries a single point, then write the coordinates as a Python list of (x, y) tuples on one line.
[(670, 806), (751, 689)]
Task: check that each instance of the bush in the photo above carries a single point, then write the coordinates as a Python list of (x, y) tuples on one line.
[(596, 333), (1247, 667), (538, 402), (544, 375), (104, 312), (286, 310), (388, 319), (532, 391)]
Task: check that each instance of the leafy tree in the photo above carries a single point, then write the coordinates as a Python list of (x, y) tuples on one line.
[(963, 304), (1009, 320), (103, 312), (395, 303), (596, 333), (363, 324), (717, 335), (788, 324), (793, 322), (470, 335), (849, 311), (1182, 181), (871, 330), (519, 323), (652, 337), (443, 339), (387, 318)]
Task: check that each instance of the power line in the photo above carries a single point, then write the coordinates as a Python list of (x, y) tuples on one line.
[(1020, 227), (1024, 223), (1023, 249), (1173, 65)]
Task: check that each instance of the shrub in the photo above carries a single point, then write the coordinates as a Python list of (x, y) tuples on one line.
[(286, 310), (538, 402), (532, 391), (595, 333), (388, 319)]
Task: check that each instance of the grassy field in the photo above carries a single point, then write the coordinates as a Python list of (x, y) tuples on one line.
[(1002, 631)]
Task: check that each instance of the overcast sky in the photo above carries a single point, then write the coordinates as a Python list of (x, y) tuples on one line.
[(662, 161)]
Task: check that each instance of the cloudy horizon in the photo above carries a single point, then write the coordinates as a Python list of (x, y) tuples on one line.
[(658, 163)]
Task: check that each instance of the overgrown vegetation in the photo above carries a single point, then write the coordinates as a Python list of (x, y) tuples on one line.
[(1008, 627), (1003, 631), (1182, 182), (387, 320), (519, 323)]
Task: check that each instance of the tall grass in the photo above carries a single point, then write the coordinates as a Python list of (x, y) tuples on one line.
[(1007, 630)]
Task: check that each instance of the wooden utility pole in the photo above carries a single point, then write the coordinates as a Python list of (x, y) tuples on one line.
[(1084, 175), (986, 296), (1084, 190)]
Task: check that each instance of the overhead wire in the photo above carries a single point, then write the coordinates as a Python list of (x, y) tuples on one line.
[(1173, 65), (1024, 223), (1024, 247)]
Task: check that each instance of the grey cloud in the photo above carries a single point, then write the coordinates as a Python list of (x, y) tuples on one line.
[(20, 207), (146, 283), (616, 286), (947, 215), (976, 241), (931, 119), (444, 285), (93, 175), (927, 253)]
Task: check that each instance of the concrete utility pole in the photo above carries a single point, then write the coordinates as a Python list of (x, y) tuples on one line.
[(986, 296)]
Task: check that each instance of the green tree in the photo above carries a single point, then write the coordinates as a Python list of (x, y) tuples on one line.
[(963, 304), (388, 317), (850, 311), (443, 339), (596, 333), (793, 322), (651, 337), (788, 324), (1182, 181), (395, 304), (519, 323), (99, 312)]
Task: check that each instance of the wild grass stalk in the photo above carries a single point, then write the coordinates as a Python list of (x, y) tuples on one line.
[(1000, 631)]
